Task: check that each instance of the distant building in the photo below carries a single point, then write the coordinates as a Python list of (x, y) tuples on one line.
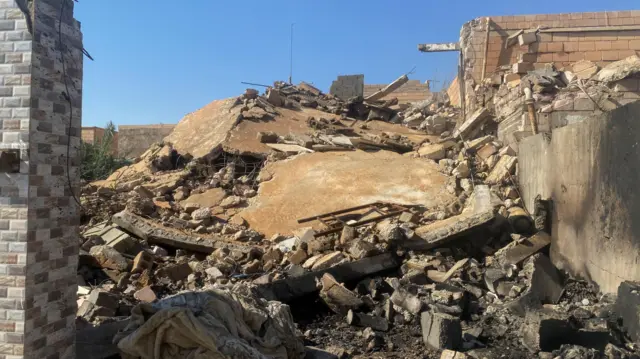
[(134, 140), (94, 135)]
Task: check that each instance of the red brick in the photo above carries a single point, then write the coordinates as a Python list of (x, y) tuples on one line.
[(588, 15), (576, 56), (7, 326), (576, 36), (625, 13), (636, 20), (620, 45), (610, 55), (542, 47), (593, 56), (555, 47), (628, 21), (603, 45), (571, 46), (560, 56), (634, 44), (623, 54), (560, 36), (587, 46), (577, 15), (548, 57), (615, 21), (542, 17), (545, 37)]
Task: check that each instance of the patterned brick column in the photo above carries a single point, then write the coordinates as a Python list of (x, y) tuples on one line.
[(38, 214)]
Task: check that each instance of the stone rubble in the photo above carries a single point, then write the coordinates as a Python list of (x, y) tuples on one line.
[(486, 284)]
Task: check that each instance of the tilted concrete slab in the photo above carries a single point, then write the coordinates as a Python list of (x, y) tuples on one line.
[(590, 171), (311, 184)]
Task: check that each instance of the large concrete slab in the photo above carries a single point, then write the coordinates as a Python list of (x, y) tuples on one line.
[(595, 196), (317, 183)]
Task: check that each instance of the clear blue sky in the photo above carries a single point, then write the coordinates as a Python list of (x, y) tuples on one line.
[(156, 60)]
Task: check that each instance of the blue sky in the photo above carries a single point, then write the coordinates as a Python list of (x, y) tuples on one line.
[(156, 60)]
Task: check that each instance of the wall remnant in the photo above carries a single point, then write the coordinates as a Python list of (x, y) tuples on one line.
[(594, 195), (40, 112), (348, 86), (134, 140)]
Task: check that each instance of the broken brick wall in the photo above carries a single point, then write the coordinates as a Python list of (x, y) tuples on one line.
[(348, 86), (134, 140), (563, 39), (594, 232)]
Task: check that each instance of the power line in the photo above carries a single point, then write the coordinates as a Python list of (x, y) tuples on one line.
[(291, 56)]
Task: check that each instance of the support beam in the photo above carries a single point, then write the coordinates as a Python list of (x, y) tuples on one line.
[(450, 46)]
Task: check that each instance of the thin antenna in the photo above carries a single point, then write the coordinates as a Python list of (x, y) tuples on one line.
[(291, 56)]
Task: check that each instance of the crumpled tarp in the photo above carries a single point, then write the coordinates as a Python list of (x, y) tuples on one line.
[(219, 323)]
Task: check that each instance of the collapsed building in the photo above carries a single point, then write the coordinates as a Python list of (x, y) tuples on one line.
[(298, 224)]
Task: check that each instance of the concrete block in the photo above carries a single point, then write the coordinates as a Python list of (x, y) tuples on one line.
[(441, 331), (407, 301), (545, 330), (360, 249), (474, 145), (107, 257), (118, 240), (527, 38), (583, 104), (298, 256), (175, 272), (502, 169), (432, 151)]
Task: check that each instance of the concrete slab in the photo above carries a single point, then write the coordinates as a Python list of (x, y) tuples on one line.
[(316, 183), (590, 171), (209, 198)]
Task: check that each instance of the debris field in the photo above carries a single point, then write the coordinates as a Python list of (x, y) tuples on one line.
[(293, 224)]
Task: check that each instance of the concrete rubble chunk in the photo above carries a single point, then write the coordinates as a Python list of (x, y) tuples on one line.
[(348, 234), (338, 298), (441, 331), (175, 272), (298, 256), (585, 69), (432, 151), (107, 257), (407, 301), (367, 321), (619, 70), (527, 38), (146, 295), (287, 289), (468, 128), (142, 262), (502, 170), (476, 144), (545, 284), (154, 233), (361, 249), (545, 330), (328, 261), (518, 252), (117, 239), (440, 232), (214, 273)]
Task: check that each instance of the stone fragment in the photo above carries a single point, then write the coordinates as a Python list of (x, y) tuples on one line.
[(441, 331), (626, 308), (389, 232), (470, 126), (117, 239), (231, 202), (273, 254), (298, 256), (364, 321), (406, 301), (252, 267), (141, 262), (273, 97), (527, 38), (107, 257), (462, 170), (487, 150), (502, 170), (545, 284), (328, 261), (360, 249), (338, 298), (348, 234), (175, 272), (214, 273), (522, 67), (432, 151), (201, 214), (309, 263), (145, 295), (267, 137)]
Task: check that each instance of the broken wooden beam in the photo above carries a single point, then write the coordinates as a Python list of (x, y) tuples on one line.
[(449, 46), (285, 290), (388, 89)]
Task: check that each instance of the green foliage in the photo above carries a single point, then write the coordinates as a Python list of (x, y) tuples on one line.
[(97, 160)]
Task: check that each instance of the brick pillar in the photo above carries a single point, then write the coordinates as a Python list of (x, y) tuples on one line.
[(38, 213)]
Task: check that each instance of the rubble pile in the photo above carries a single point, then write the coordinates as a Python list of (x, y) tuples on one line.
[(467, 276)]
